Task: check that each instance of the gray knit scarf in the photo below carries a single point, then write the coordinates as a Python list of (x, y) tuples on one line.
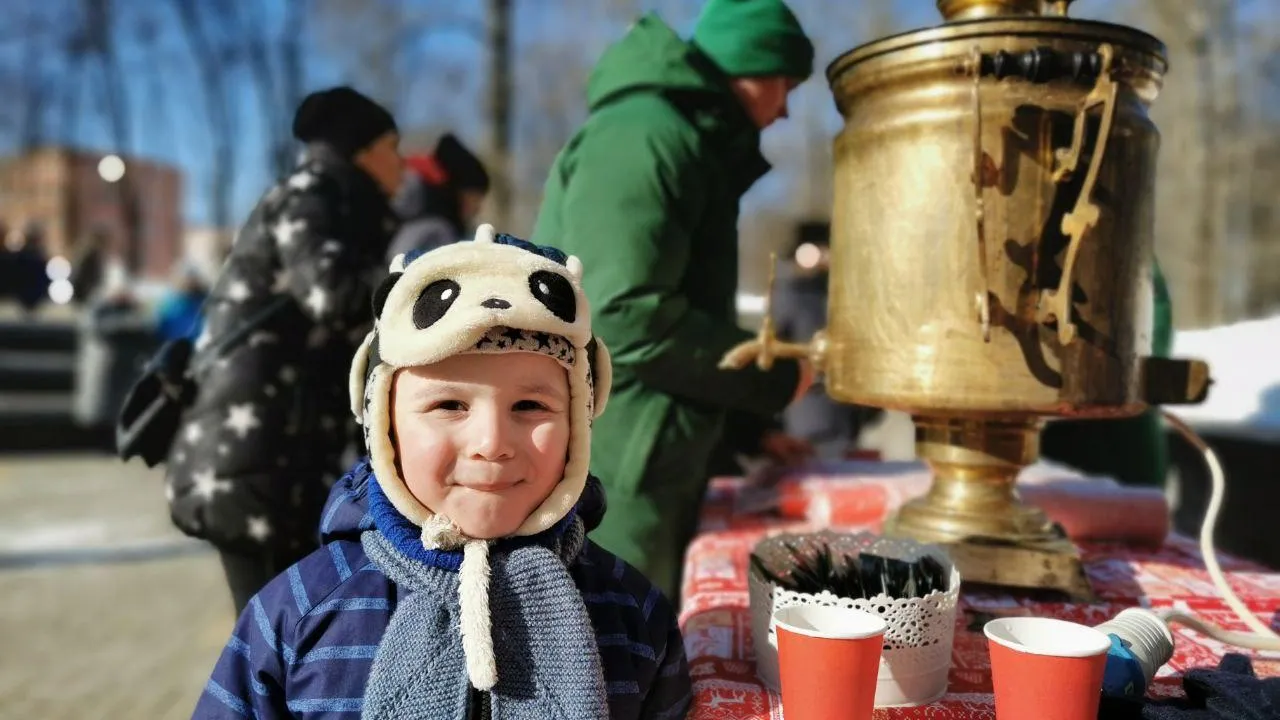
[(545, 649)]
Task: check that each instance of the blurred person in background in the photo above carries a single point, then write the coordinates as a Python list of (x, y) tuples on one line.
[(799, 310), (6, 262), (28, 268), (440, 198), (88, 267), (116, 338), (179, 314), (647, 194), (263, 441)]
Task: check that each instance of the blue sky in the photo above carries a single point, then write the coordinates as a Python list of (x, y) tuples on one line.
[(170, 124)]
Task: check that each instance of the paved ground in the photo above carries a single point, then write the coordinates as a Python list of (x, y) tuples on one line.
[(105, 610)]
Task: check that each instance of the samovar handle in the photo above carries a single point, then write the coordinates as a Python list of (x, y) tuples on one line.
[(1056, 303), (767, 347), (983, 301)]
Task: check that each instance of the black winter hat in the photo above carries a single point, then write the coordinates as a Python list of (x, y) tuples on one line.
[(341, 118), (464, 169)]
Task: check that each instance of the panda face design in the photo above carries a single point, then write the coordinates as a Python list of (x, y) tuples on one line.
[(556, 293), (447, 300), (553, 290)]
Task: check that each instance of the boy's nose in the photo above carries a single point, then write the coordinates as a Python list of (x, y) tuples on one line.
[(496, 304), (490, 436)]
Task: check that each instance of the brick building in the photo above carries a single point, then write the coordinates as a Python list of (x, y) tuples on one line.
[(61, 189)]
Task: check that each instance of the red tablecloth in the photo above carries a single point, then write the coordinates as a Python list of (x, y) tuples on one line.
[(716, 620)]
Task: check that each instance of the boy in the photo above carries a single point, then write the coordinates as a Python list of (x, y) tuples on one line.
[(455, 580)]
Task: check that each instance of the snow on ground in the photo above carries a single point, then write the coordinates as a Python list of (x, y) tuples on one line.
[(1244, 362)]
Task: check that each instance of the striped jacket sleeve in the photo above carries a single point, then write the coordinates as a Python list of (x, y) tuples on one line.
[(671, 694), (248, 680)]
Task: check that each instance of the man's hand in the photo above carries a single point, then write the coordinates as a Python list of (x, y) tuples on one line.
[(807, 376), (784, 449)]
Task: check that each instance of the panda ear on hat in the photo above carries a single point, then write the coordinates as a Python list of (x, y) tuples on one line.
[(383, 290)]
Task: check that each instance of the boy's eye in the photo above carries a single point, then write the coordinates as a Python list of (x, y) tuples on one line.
[(529, 405), (449, 406)]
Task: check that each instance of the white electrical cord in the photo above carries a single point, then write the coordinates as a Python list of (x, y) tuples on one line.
[(1262, 637)]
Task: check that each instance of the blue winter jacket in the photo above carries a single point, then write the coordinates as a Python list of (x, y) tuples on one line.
[(304, 645)]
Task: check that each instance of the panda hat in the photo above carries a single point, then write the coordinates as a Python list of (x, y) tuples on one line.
[(496, 294)]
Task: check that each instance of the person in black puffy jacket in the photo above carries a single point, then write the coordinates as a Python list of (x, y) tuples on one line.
[(256, 453)]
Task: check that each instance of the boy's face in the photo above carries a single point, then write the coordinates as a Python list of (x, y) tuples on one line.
[(482, 439)]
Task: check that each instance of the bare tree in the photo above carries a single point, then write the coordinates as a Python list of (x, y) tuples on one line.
[(36, 90), (500, 106), (383, 47), (99, 23), (1202, 196), (222, 122), (277, 81), (70, 111), (366, 40), (151, 70), (292, 81)]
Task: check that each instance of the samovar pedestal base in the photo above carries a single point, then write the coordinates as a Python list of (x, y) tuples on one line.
[(973, 510), (1052, 564)]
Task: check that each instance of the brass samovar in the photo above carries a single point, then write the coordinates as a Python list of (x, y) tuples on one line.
[(991, 259)]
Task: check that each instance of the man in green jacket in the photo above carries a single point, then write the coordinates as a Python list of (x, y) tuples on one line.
[(646, 193)]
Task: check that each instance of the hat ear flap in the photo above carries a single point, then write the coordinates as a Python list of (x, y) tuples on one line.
[(601, 365), (359, 375), (384, 289)]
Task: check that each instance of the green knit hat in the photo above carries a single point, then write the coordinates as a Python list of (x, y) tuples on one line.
[(754, 38)]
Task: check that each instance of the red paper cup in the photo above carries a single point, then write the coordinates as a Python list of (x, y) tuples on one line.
[(1046, 669), (828, 661)]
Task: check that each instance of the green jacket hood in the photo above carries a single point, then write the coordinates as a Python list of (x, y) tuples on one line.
[(652, 56)]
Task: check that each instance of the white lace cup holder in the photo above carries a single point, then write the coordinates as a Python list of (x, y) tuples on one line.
[(917, 644)]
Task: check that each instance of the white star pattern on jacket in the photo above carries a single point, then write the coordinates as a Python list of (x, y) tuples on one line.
[(261, 337), (205, 484), (318, 301), (285, 230), (249, 432), (302, 181), (241, 419), (258, 528), (237, 291)]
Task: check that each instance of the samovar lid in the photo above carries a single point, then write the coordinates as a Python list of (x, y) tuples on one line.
[(991, 21)]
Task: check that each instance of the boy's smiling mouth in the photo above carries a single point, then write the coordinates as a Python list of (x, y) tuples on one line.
[(488, 486)]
